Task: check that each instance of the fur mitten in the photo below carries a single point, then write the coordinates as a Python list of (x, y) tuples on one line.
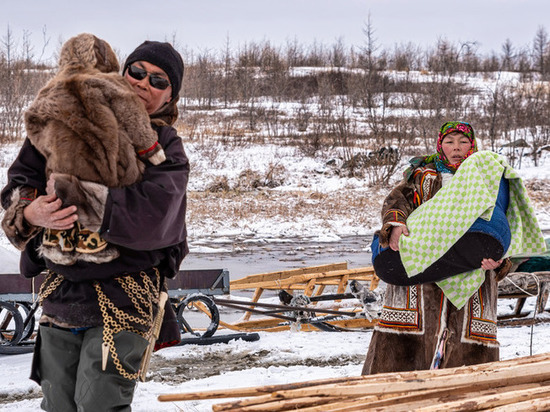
[(385, 232), (503, 270), (17, 229), (88, 197), (155, 154)]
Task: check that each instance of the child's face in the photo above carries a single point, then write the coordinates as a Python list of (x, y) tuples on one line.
[(455, 147)]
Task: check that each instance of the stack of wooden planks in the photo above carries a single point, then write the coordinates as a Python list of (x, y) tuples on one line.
[(521, 384)]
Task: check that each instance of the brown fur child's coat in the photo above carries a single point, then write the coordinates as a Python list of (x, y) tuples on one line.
[(89, 123)]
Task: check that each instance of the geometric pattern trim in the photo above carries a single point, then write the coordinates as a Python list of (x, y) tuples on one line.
[(477, 329), (405, 315)]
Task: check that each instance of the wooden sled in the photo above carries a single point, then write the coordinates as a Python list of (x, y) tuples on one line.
[(310, 282), (520, 286)]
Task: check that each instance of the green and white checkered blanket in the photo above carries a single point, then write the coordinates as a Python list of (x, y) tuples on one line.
[(437, 224)]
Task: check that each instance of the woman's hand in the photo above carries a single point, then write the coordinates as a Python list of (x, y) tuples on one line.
[(395, 234), (45, 211), (490, 264)]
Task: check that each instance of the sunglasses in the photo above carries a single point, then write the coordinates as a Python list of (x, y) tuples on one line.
[(155, 80)]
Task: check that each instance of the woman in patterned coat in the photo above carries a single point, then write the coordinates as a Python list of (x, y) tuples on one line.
[(418, 327)]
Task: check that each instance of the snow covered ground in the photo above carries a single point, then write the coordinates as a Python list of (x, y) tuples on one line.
[(276, 358)]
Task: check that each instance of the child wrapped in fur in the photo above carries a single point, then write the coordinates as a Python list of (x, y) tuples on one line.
[(89, 124)]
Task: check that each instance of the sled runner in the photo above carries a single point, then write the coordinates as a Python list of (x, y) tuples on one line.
[(303, 301)]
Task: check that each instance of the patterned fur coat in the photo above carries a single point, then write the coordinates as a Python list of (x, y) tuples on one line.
[(418, 321), (89, 124)]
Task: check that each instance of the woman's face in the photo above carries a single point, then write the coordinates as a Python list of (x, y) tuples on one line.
[(152, 98), (455, 147)]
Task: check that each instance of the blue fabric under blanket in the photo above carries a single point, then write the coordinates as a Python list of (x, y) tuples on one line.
[(498, 226)]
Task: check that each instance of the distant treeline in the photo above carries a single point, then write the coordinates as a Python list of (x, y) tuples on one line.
[(224, 74), (348, 97)]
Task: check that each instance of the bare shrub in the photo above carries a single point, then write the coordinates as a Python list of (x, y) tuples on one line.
[(20, 79), (302, 116), (219, 184), (251, 179), (275, 175), (248, 179)]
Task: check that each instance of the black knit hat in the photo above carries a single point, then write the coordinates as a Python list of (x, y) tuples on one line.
[(162, 55)]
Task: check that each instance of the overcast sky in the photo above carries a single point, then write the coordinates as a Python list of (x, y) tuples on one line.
[(207, 24)]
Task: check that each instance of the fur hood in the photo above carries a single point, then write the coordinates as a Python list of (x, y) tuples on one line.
[(85, 52)]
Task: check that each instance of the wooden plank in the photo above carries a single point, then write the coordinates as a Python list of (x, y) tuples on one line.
[(511, 375), (257, 293), (330, 281), (274, 405), (499, 398), (273, 325), (320, 290), (374, 282), (247, 391), (270, 326), (267, 403), (271, 276), (526, 406), (499, 376), (455, 399), (343, 284), (310, 287), (304, 278), (361, 403), (519, 305)]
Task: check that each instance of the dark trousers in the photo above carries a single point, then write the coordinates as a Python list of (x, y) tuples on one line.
[(70, 370)]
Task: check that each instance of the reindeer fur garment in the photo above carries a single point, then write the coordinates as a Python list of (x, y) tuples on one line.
[(88, 122)]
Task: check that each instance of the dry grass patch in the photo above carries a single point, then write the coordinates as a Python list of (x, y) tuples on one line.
[(359, 206)]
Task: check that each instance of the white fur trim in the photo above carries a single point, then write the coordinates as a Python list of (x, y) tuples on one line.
[(442, 328), (158, 157), (396, 224)]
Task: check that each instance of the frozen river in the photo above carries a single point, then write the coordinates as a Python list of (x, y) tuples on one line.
[(246, 257), (243, 257)]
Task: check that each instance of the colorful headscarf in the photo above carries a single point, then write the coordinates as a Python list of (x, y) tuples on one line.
[(441, 162)]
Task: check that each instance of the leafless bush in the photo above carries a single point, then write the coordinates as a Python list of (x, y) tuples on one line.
[(210, 151), (248, 179), (346, 98), (302, 116), (251, 179), (20, 79), (219, 184)]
